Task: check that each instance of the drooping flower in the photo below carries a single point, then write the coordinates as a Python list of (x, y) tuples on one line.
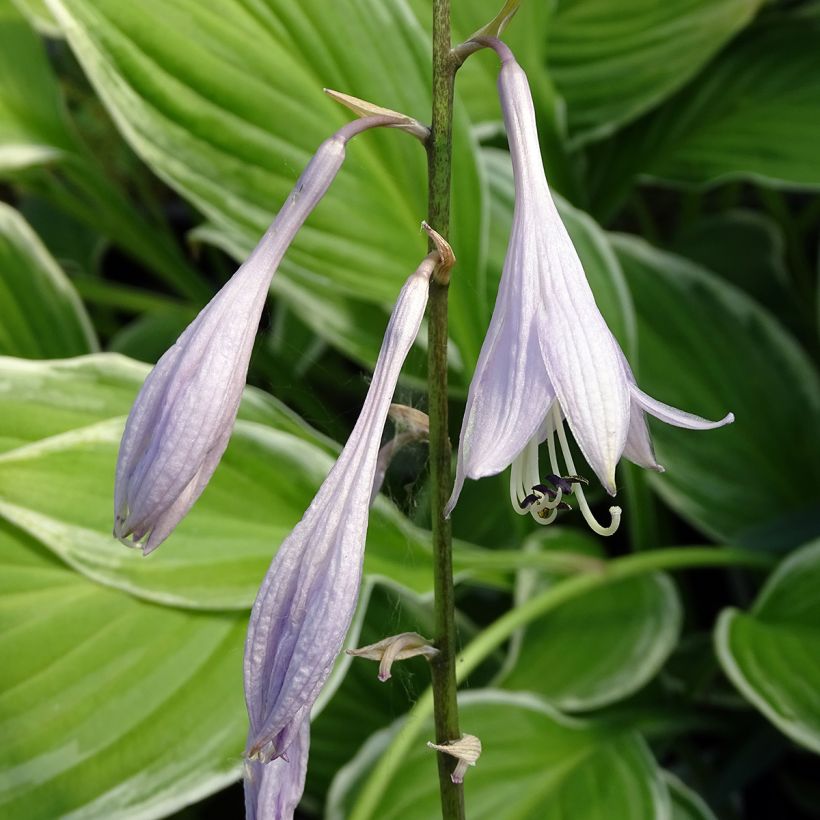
[(182, 418), (548, 355), (307, 599)]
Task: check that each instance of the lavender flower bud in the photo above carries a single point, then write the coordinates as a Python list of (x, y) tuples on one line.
[(182, 418), (306, 602)]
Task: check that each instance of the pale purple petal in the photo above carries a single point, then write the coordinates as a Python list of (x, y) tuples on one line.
[(510, 392), (273, 790), (671, 415), (581, 356), (306, 602), (182, 418)]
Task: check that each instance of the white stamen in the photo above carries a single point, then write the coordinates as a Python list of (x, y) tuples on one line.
[(515, 486), (615, 512)]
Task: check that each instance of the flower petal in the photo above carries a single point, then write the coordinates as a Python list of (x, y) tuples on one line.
[(581, 356), (510, 392), (671, 415), (304, 607)]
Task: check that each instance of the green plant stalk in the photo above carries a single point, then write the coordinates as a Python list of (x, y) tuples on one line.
[(439, 163), (501, 630)]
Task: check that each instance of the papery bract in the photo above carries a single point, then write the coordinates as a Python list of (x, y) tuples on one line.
[(306, 602), (182, 418), (548, 354)]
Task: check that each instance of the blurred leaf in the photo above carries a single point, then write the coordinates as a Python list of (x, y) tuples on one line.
[(686, 804), (150, 335), (744, 247), (600, 263), (35, 130), (40, 312), (59, 489), (227, 107), (613, 61), (43, 399), (706, 347), (598, 648), (536, 764), (110, 707), (39, 16), (33, 127), (753, 113), (772, 653)]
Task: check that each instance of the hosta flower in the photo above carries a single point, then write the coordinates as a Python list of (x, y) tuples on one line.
[(306, 602), (548, 355), (182, 418)]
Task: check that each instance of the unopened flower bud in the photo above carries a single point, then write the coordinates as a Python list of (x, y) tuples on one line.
[(467, 750), (396, 648)]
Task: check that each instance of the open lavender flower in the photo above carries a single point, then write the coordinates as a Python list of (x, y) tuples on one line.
[(548, 354), (307, 599), (182, 418)]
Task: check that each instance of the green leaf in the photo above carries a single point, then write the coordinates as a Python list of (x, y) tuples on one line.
[(686, 803), (150, 335), (536, 764), (110, 706), (753, 113), (613, 61), (43, 399), (706, 347), (39, 16), (772, 653), (35, 130), (40, 312), (33, 127), (227, 107), (598, 648), (59, 489)]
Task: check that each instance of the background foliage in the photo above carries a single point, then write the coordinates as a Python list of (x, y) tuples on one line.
[(144, 147)]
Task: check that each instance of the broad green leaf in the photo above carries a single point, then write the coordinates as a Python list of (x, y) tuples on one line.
[(598, 648), (65, 420), (40, 312), (686, 803), (59, 490), (150, 335), (35, 130), (748, 249), (613, 61), (43, 399), (224, 101), (39, 16), (535, 764), (600, 263), (772, 653), (33, 127), (744, 247), (110, 707), (706, 347), (753, 113)]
